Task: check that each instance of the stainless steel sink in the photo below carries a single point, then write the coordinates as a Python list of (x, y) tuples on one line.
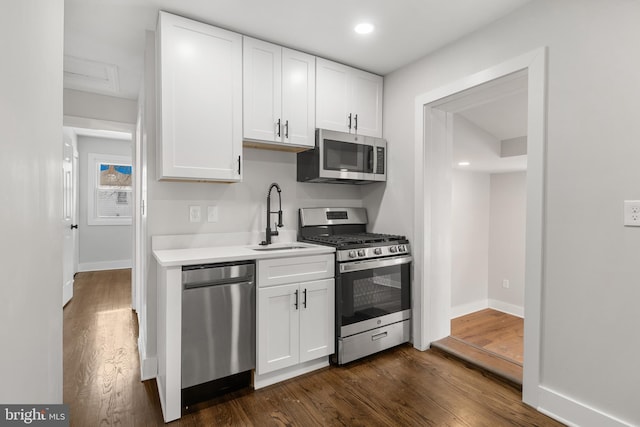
[(279, 248)]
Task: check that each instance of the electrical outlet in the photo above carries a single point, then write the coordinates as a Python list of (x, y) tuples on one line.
[(195, 214), (632, 213), (212, 213), (505, 283)]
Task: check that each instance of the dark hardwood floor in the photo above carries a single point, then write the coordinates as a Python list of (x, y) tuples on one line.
[(399, 387)]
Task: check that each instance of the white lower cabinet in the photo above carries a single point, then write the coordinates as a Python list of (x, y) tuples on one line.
[(317, 319), (279, 324), (295, 320)]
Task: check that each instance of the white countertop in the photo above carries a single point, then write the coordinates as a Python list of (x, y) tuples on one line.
[(215, 254)]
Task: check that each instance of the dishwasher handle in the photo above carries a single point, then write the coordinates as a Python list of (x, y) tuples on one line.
[(233, 281)]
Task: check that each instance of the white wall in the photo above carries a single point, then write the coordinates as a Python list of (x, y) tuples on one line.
[(590, 290), (487, 228), (469, 241), (31, 41), (507, 241), (487, 241), (100, 107), (241, 206), (101, 247)]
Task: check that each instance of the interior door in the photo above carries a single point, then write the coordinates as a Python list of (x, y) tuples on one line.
[(68, 218), (138, 277)]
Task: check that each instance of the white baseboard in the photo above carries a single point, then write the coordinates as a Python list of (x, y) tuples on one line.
[(148, 365), (472, 307), (260, 381), (104, 265), (67, 292), (574, 413), (505, 307)]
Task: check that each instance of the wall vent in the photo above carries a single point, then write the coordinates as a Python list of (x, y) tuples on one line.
[(90, 76)]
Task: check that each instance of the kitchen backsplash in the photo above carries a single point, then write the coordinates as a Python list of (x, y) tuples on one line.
[(241, 206)]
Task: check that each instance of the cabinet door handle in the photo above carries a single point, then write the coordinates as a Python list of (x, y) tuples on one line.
[(278, 126), (349, 117), (355, 121), (239, 167), (286, 129), (304, 303), (296, 304)]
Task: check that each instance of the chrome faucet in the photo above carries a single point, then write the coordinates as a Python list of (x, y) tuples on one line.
[(268, 231)]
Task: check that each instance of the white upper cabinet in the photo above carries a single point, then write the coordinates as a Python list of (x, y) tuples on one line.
[(200, 101), (299, 97), (279, 94), (348, 99)]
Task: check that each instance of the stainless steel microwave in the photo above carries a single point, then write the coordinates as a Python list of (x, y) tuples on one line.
[(343, 158)]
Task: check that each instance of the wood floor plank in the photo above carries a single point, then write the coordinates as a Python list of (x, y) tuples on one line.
[(492, 362), (495, 331), (398, 387)]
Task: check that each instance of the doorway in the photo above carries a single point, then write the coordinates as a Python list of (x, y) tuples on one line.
[(488, 227), (103, 236), (432, 254)]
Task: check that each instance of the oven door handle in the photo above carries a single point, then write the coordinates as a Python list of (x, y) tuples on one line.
[(348, 267)]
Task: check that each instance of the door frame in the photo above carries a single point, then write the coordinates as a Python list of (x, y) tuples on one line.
[(433, 137)]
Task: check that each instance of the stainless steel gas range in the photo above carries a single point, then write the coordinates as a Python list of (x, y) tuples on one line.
[(373, 280)]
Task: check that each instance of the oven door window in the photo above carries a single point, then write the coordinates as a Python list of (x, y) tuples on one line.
[(347, 157), (372, 293)]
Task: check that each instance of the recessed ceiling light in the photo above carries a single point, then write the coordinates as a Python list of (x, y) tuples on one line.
[(364, 28), (463, 163)]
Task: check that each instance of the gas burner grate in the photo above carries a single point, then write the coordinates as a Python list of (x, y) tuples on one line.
[(353, 239)]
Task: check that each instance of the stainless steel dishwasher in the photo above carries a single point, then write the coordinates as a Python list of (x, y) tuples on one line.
[(218, 321)]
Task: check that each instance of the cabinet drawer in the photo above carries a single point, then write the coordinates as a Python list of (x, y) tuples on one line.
[(281, 271)]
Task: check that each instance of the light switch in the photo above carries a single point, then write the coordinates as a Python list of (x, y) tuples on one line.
[(195, 213), (212, 213)]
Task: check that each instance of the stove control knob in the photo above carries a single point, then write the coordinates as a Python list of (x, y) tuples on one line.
[(352, 254), (361, 252), (402, 248), (377, 251), (393, 249)]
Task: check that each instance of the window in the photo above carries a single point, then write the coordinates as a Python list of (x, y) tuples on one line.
[(110, 190)]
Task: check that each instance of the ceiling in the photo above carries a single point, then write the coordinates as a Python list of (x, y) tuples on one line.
[(498, 110), (105, 39)]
